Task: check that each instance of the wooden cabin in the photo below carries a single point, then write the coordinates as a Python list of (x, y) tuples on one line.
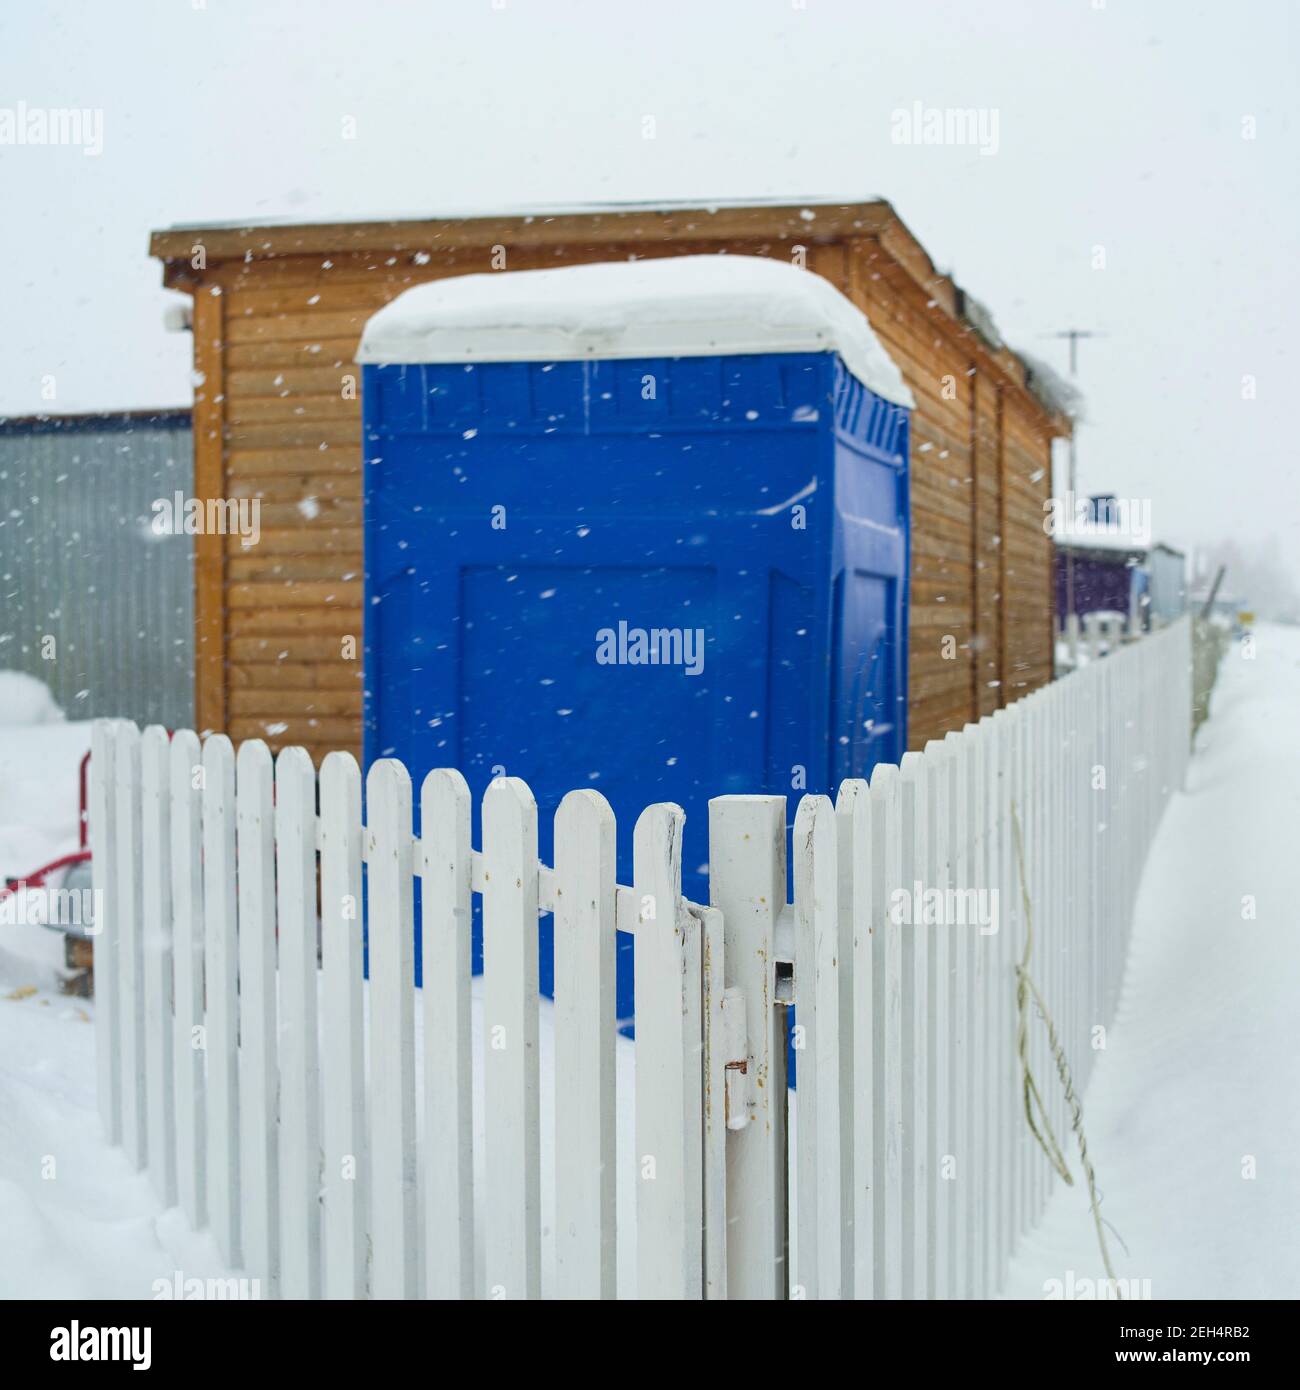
[(278, 311)]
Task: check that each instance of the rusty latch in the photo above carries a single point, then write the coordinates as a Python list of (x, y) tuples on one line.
[(735, 1050)]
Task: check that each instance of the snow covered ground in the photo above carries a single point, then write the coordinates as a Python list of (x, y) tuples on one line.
[(75, 1221), (40, 758), (1190, 1114)]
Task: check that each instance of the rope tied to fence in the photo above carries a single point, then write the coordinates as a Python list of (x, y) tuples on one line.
[(1026, 989)]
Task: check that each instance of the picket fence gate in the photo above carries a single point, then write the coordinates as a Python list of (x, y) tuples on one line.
[(241, 1063)]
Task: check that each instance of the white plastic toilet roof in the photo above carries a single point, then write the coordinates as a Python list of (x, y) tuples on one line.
[(674, 306)]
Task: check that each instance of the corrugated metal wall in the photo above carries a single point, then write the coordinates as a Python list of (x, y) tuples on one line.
[(1168, 583), (80, 564)]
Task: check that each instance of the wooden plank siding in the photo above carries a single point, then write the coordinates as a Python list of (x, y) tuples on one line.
[(277, 318), (986, 544), (209, 481)]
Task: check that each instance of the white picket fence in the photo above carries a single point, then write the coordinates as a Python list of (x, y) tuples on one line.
[(273, 1093)]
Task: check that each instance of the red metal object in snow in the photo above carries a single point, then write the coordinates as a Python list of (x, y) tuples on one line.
[(37, 878)]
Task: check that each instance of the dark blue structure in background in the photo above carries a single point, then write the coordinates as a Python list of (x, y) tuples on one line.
[(517, 511)]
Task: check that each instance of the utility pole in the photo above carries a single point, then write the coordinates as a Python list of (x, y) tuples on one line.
[(1073, 335)]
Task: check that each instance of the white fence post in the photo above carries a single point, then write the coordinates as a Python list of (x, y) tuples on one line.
[(185, 772), (859, 1024), (1022, 734), (819, 1211), (390, 913), (1039, 797), (887, 1014), (108, 1004), (511, 1076), (300, 1139), (585, 1024), (447, 922), (221, 970), (130, 947), (669, 1054), (747, 883), (156, 919), (986, 1009), (964, 983), (345, 1183), (915, 1022), (940, 1023), (1003, 984), (726, 1098), (259, 1055)]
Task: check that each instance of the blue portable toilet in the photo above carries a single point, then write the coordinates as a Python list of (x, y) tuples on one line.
[(641, 527)]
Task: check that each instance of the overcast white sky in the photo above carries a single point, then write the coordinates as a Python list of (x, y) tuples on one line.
[(1120, 126)]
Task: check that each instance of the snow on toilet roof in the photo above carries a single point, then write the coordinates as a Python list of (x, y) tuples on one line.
[(677, 306)]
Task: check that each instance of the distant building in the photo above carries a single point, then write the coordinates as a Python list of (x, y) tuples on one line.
[(1109, 575), (93, 602), (1168, 589), (278, 311), (1116, 568)]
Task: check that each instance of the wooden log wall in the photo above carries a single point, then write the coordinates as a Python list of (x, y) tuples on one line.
[(277, 417)]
